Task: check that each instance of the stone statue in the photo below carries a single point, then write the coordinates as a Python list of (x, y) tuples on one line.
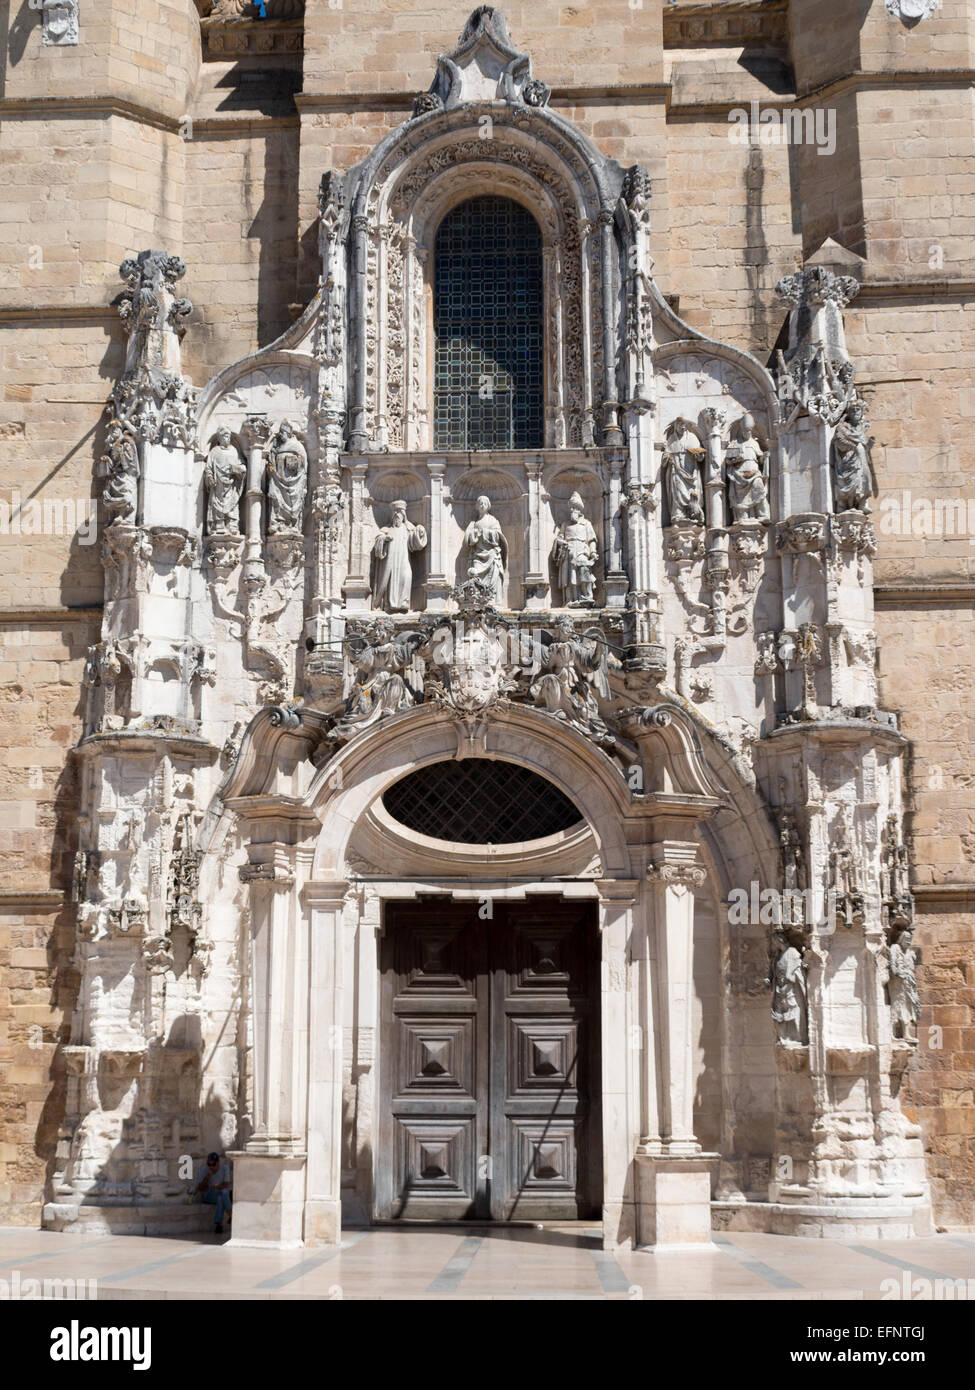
[(682, 473), (224, 478), (392, 549), (121, 495), (790, 849), (853, 477), (572, 674), (287, 479), (787, 978), (487, 549), (902, 991), (747, 471), (575, 552), (380, 657)]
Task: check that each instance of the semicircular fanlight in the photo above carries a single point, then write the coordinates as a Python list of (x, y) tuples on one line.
[(478, 801)]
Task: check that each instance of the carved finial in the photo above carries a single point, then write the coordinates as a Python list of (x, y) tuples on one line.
[(816, 285)]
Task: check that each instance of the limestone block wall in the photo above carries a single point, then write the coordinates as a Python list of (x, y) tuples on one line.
[(40, 671)]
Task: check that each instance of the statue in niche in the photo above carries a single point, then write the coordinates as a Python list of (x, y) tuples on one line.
[(790, 849), (747, 471), (575, 551), (392, 549), (787, 977), (287, 479), (121, 495), (902, 991), (487, 549), (224, 478), (682, 474), (853, 476)]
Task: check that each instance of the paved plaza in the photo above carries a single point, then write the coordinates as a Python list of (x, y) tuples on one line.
[(484, 1262)]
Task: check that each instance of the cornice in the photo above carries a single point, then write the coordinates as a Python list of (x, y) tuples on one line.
[(924, 594)]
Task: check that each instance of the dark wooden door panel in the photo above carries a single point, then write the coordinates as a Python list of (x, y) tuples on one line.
[(489, 1064)]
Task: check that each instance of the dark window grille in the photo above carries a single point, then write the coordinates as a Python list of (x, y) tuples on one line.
[(478, 801), (488, 312)]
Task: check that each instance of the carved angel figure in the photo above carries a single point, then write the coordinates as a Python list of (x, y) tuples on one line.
[(392, 549), (121, 495), (224, 478), (487, 550), (747, 465), (682, 473), (853, 477), (380, 657), (574, 552), (573, 672), (790, 1010), (287, 479), (902, 991)]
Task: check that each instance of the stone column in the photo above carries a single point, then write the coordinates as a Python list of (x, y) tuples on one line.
[(356, 586), (269, 1173), (612, 434), (673, 1175), (616, 580), (438, 585), (621, 1060), (254, 433), (536, 583), (323, 906)]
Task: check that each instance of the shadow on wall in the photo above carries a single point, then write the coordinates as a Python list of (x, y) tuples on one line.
[(270, 91)]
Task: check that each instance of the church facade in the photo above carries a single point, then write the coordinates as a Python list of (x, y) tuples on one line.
[(487, 799)]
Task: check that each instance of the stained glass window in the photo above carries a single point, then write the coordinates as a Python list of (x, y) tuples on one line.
[(488, 327)]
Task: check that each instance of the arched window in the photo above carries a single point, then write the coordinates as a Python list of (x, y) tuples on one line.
[(487, 308)]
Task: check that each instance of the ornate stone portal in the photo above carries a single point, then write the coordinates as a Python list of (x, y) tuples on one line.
[(665, 609)]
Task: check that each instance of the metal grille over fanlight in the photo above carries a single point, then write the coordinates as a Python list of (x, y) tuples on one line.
[(478, 801)]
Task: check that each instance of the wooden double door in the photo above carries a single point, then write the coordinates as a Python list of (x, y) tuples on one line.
[(489, 1063)]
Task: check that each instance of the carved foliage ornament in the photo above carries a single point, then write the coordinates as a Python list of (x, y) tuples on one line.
[(677, 875), (816, 285)]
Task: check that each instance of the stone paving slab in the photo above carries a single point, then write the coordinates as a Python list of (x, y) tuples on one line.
[(494, 1263)]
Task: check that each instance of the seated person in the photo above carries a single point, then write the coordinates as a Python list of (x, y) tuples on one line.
[(214, 1189)]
